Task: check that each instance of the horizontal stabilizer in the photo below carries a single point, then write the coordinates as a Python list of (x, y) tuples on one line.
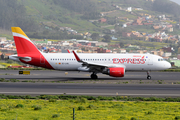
[(17, 58)]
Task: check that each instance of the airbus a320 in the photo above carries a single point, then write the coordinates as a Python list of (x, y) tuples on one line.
[(114, 65)]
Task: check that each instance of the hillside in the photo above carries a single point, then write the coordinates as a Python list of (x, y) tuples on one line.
[(46, 12), (41, 15), (68, 13)]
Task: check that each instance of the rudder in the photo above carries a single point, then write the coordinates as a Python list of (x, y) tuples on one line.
[(23, 44)]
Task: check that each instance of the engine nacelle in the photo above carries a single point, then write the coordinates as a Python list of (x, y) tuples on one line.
[(115, 72)]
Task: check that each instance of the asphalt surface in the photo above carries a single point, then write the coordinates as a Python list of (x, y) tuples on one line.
[(80, 84), (75, 76), (90, 89)]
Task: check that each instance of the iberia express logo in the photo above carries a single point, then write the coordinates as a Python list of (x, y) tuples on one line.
[(136, 59)]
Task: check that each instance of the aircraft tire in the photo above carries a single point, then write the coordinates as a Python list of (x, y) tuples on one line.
[(94, 76), (149, 77)]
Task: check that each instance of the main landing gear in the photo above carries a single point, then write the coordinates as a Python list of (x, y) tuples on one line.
[(148, 75), (94, 76)]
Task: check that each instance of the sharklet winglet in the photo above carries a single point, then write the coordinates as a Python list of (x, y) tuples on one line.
[(77, 57)]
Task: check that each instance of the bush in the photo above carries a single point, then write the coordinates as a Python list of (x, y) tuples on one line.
[(133, 118), (91, 106), (37, 107), (55, 115), (10, 61), (14, 80), (91, 97), (96, 100), (36, 119), (19, 106), (149, 112), (81, 108), (52, 100), (116, 106), (122, 118), (2, 79), (177, 118), (81, 100)]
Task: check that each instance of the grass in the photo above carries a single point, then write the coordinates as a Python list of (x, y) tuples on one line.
[(2, 65), (102, 110)]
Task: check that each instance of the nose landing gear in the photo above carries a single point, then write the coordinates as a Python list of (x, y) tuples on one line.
[(148, 75), (94, 76)]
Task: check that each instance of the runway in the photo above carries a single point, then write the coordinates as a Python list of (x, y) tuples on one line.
[(163, 84), (75, 76), (90, 89)]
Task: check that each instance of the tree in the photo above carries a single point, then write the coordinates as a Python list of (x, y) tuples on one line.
[(121, 44), (14, 14), (95, 36), (166, 6), (107, 38)]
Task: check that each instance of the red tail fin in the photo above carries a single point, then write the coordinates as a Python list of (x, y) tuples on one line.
[(23, 44)]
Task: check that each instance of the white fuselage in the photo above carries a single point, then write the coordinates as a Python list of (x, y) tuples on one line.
[(131, 62)]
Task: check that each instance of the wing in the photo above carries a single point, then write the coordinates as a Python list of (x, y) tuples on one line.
[(96, 66)]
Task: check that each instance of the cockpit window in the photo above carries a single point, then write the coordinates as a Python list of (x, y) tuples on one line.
[(161, 60)]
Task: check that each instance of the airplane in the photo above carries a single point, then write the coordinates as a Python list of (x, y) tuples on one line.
[(114, 65)]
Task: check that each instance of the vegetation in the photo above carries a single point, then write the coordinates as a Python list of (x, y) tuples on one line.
[(14, 14), (55, 35), (166, 6), (91, 109), (79, 6), (86, 99), (9, 63), (51, 14)]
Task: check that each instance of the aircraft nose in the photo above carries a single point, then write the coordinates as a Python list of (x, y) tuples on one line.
[(167, 65)]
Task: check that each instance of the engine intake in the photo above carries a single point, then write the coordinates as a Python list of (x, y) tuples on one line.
[(115, 72)]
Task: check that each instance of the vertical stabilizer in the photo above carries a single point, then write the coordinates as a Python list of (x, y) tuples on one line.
[(23, 44)]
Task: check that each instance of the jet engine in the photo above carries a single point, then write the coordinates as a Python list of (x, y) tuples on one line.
[(115, 72)]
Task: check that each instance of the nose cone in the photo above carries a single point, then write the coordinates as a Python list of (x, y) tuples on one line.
[(167, 65)]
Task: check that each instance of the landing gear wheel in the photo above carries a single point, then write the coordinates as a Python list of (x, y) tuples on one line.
[(148, 77), (94, 76)]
